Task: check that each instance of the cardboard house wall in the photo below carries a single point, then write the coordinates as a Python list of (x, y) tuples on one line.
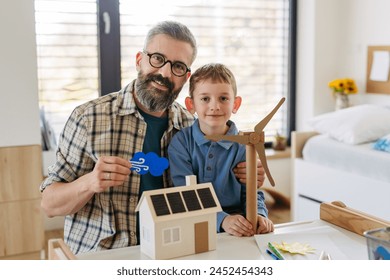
[(178, 221)]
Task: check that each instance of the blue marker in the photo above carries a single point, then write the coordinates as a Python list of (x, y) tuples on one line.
[(275, 257)]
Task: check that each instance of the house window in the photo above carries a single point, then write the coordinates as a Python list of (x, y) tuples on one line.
[(171, 235), (252, 37)]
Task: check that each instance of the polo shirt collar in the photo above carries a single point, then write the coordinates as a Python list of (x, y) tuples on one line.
[(201, 140)]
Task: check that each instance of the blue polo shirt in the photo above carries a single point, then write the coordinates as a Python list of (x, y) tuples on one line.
[(190, 153)]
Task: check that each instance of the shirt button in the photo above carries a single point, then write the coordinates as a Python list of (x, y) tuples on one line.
[(208, 168), (211, 155), (132, 199), (132, 233), (139, 130)]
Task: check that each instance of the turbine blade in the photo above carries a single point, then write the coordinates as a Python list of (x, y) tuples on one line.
[(261, 153), (260, 126), (242, 139)]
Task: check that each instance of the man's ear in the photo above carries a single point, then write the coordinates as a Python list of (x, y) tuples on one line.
[(188, 75), (237, 104), (138, 58), (190, 104)]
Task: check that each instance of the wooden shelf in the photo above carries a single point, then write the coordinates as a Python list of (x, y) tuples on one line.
[(272, 154)]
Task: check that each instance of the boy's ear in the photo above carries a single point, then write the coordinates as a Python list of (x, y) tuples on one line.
[(190, 104), (237, 104)]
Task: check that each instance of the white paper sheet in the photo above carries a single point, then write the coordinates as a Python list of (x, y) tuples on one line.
[(319, 238), (380, 66)]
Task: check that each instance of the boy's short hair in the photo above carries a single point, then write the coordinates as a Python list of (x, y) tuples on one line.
[(216, 72)]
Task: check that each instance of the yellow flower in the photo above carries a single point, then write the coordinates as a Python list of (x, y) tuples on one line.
[(344, 86)]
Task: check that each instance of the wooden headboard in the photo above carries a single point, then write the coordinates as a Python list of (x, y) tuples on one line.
[(298, 140)]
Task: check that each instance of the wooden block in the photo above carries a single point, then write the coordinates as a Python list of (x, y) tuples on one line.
[(190, 180), (58, 250), (339, 214)]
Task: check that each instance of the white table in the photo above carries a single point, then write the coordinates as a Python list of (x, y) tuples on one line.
[(347, 244)]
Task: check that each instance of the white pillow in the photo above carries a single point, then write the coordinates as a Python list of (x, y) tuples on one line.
[(354, 125)]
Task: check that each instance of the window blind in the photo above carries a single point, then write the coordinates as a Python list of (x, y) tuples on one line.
[(66, 35), (251, 37)]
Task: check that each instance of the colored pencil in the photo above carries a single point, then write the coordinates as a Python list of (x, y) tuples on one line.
[(275, 251)]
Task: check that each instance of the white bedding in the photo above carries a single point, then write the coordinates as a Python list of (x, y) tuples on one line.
[(360, 159)]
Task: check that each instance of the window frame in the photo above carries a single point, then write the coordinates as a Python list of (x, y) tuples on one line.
[(109, 46)]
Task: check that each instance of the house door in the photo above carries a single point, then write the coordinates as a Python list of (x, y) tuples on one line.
[(201, 237)]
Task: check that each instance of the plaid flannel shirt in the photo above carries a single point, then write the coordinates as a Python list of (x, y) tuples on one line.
[(110, 125)]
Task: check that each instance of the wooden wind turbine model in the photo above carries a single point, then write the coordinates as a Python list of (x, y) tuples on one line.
[(254, 142)]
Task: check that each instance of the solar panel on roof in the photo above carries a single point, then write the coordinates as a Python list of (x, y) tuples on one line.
[(191, 200), (206, 198), (160, 204), (176, 202)]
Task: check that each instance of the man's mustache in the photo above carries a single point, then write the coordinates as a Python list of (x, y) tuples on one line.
[(158, 78)]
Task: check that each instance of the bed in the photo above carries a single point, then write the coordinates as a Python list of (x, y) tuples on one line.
[(343, 160)]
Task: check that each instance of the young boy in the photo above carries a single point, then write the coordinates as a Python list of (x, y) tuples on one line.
[(213, 97)]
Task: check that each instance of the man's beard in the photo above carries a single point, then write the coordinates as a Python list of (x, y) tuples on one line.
[(153, 99)]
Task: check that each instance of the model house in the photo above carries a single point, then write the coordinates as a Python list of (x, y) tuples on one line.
[(178, 221)]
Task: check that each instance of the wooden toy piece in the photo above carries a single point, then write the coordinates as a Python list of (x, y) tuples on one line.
[(339, 214), (178, 221), (58, 250), (190, 180), (254, 142)]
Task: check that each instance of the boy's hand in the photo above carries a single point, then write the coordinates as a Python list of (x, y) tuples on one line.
[(237, 225), (264, 225)]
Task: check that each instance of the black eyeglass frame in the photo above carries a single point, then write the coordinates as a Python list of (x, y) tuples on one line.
[(165, 61)]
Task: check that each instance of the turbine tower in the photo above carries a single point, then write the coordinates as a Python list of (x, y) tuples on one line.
[(254, 142)]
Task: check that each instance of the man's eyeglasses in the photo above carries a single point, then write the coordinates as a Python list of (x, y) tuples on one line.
[(157, 60)]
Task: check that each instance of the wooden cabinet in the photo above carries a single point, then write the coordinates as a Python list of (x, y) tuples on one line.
[(21, 219)]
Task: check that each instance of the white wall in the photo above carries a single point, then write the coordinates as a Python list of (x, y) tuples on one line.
[(19, 110), (333, 36)]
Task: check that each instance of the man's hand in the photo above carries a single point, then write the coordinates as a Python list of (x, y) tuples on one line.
[(109, 171), (240, 172)]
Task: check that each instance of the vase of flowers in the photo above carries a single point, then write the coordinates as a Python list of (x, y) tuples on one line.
[(341, 89)]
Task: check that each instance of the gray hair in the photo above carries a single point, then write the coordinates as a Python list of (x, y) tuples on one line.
[(175, 30)]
